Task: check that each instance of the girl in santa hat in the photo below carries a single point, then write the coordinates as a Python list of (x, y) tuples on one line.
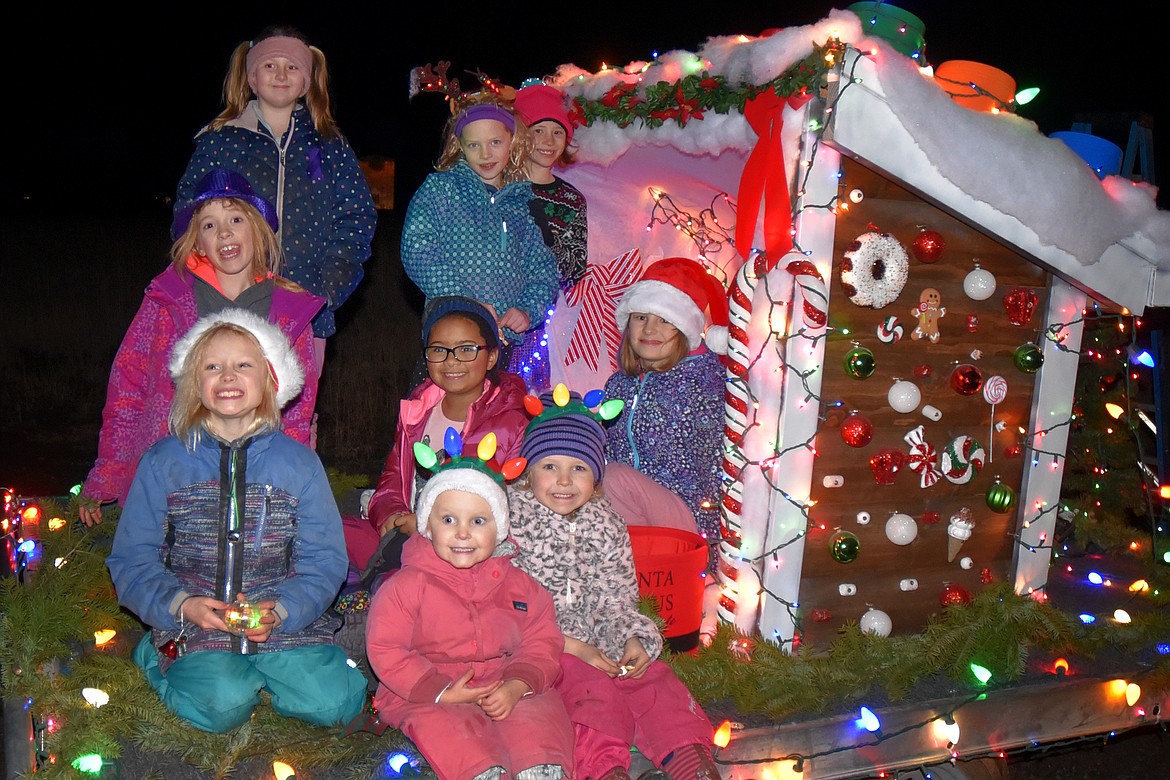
[(671, 380)]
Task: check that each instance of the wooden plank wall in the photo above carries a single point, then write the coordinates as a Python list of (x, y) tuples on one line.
[(881, 565)]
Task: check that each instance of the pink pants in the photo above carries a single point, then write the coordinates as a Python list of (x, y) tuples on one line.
[(656, 712)]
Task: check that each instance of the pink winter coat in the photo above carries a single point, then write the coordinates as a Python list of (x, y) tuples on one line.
[(138, 397), (430, 623), (499, 409)]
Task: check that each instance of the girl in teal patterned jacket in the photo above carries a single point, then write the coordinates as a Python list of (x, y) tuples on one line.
[(469, 230)]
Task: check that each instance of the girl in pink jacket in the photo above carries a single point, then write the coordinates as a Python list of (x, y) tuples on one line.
[(225, 255), (465, 646), (465, 390)]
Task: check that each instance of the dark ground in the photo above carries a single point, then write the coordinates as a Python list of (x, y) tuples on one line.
[(63, 322)]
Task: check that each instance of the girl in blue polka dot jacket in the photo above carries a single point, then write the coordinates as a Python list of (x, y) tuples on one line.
[(277, 129), (469, 231)]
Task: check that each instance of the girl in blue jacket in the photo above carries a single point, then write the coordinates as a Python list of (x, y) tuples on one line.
[(229, 546), (277, 129), (468, 229)]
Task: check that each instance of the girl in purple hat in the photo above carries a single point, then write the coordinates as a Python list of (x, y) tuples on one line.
[(468, 229), (277, 129), (225, 255)]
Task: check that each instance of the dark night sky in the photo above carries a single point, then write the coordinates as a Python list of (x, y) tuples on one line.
[(108, 103)]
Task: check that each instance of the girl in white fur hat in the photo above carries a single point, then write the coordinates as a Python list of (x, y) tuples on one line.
[(229, 508), (465, 645)]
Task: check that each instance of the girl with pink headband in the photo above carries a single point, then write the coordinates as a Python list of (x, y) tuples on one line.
[(468, 229), (277, 130)]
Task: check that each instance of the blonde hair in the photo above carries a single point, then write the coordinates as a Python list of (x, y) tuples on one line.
[(267, 257), (237, 92), (188, 416), (452, 152), (632, 365)]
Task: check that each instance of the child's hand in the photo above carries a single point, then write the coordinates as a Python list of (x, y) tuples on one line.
[(635, 659), (90, 512), (269, 620), (498, 704), (461, 693), (205, 612), (515, 320), (405, 522), (592, 655)]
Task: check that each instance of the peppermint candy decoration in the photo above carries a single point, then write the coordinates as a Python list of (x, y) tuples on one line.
[(890, 331), (962, 459), (923, 458)]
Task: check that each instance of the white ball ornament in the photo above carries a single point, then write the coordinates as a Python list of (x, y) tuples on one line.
[(901, 528), (876, 622), (979, 284), (904, 396)]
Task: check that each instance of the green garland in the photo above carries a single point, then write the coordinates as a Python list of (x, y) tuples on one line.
[(47, 656), (692, 96)]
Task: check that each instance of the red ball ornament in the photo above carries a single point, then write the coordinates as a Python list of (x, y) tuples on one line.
[(928, 246), (821, 615), (953, 594), (857, 430), (923, 371), (985, 576), (966, 379), (930, 518)]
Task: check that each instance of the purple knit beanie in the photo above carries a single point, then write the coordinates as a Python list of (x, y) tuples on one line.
[(574, 435)]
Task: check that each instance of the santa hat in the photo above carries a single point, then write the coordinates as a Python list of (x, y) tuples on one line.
[(680, 291), (282, 360), (540, 102)]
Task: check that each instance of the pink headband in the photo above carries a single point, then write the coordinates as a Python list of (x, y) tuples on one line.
[(485, 111), (292, 49)]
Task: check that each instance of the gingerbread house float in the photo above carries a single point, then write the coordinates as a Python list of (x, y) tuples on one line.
[(907, 274)]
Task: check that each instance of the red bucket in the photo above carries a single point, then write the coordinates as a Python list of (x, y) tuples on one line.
[(670, 564)]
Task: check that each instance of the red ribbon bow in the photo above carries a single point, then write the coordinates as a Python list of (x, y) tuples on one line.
[(765, 177)]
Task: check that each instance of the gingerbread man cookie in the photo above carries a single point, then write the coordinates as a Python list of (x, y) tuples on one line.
[(929, 311)]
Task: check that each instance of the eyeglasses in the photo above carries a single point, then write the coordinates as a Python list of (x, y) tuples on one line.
[(464, 353)]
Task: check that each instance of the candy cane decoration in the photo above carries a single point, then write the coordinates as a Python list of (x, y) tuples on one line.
[(814, 315)]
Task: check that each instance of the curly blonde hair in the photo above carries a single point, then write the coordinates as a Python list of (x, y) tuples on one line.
[(452, 153)]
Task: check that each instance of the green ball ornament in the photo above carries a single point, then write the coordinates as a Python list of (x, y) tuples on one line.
[(859, 363), (844, 547), (1000, 497), (1028, 358)]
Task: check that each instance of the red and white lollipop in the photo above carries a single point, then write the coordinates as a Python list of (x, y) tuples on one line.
[(994, 392)]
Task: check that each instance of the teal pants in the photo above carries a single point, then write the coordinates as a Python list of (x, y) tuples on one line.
[(217, 691)]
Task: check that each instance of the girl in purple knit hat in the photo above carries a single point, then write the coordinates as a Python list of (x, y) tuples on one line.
[(225, 255)]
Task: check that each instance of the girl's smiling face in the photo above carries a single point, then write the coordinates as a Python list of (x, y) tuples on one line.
[(463, 530), (224, 237), (561, 482), (653, 340), (233, 377), (278, 82), (454, 376), (548, 143), (486, 144)]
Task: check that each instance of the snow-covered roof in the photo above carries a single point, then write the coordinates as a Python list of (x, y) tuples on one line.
[(998, 172)]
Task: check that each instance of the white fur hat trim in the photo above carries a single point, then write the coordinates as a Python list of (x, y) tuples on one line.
[(468, 480), (290, 376), (651, 296)]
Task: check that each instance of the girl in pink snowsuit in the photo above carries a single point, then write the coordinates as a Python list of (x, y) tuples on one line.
[(466, 646)]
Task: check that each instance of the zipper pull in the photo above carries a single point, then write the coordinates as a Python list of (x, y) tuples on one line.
[(504, 235)]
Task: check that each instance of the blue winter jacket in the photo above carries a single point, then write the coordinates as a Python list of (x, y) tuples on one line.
[(460, 238), (327, 215), (176, 537)]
